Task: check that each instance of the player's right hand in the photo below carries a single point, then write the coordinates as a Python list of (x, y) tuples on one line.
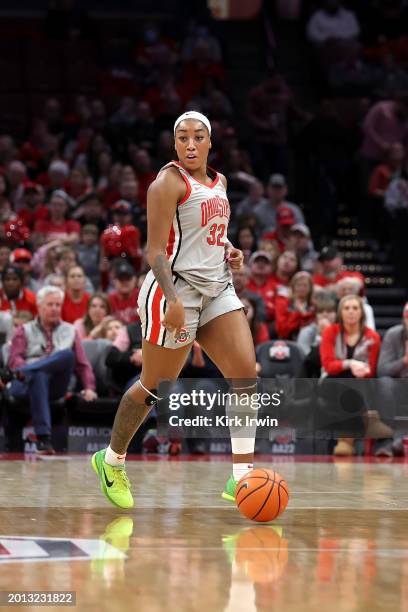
[(173, 319)]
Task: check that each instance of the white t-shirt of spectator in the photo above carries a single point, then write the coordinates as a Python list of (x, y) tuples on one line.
[(323, 25), (396, 195)]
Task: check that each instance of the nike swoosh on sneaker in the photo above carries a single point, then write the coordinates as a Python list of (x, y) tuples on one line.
[(108, 482)]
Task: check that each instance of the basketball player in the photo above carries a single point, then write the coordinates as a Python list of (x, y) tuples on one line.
[(188, 294)]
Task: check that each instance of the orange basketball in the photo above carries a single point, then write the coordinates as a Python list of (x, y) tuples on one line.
[(262, 495)]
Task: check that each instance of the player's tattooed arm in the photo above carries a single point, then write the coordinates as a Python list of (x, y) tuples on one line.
[(162, 272), (162, 200)]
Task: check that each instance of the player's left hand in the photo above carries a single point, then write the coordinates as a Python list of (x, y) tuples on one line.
[(234, 257)]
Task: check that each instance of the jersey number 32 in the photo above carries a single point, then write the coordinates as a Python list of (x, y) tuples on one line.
[(216, 234)]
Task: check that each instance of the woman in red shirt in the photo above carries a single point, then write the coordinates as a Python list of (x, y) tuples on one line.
[(76, 299), (349, 349), (294, 312), (258, 329)]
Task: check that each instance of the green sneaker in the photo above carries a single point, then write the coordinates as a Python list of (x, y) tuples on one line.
[(114, 482), (229, 490)]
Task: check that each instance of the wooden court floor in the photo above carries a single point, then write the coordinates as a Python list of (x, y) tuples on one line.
[(341, 545)]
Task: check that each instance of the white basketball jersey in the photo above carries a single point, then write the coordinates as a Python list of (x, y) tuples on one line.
[(196, 245)]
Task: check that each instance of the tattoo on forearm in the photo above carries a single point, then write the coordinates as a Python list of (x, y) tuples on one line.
[(162, 272), (129, 416)]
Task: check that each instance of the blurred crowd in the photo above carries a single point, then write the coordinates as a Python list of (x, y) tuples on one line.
[(73, 204)]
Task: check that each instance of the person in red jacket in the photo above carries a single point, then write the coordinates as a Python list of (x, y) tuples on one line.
[(123, 301), (349, 349), (13, 295), (294, 312), (330, 270), (287, 265), (76, 299)]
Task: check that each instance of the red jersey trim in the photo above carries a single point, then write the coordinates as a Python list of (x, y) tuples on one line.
[(213, 184)]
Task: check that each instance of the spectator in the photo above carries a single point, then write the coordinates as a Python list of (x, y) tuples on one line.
[(246, 241), (21, 258), (76, 299), (384, 173), (47, 351), (58, 225), (385, 124), (112, 329), (262, 283), (93, 324), (90, 211), (5, 252), (254, 198), (13, 295), (266, 210), (393, 359), (123, 300), (259, 330), (297, 310), (349, 349), (16, 174), (240, 279), (285, 219), (310, 336), (89, 253), (287, 265), (125, 357), (77, 184), (351, 285), (330, 270), (301, 243), (33, 208), (332, 22), (270, 105), (58, 172)]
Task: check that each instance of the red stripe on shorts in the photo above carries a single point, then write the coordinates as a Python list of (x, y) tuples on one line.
[(155, 331)]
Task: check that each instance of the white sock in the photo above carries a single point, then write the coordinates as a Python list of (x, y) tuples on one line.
[(240, 469), (114, 459)]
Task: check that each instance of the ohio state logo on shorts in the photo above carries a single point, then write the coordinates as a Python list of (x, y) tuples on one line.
[(182, 336)]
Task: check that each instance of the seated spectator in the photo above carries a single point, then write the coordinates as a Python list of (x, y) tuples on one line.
[(89, 253), (254, 198), (240, 280), (33, 205), (351, 285), (47, 351), (287, 265), (266, 210), (5, 252), (13, 295), (112, 328), (349, 349), (57, 174), (301, 243), (56, 280), (21, 258), (76, 299), (125, 357), (259, 330), (122, 239), (385, 124), (393, 360), (123, 300), (262, 283), (385, 172), (246, 241), (90, 211), (285, 219), (297, 310), (58, 225), (310, 336), (330, 270), (93, 324), (332, 22)]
